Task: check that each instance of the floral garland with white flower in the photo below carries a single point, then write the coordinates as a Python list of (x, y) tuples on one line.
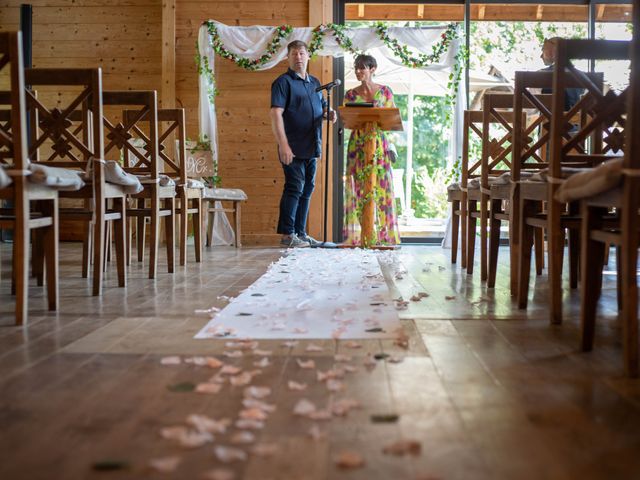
[(339, 32), (424, 60)]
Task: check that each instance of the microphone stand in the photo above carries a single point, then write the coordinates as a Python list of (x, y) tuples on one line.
[(325, 243)]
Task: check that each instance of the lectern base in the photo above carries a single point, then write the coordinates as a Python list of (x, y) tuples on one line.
[(372, 247), (325, 245)]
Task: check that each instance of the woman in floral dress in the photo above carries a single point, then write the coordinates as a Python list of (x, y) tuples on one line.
[(386, 225)]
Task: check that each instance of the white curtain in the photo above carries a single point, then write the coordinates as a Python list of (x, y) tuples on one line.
[(251, 42)]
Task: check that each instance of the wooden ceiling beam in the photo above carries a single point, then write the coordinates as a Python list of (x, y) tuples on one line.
[(485, 12)]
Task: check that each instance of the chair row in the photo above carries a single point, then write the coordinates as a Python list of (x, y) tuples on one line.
[(540, 160), (107, 156)]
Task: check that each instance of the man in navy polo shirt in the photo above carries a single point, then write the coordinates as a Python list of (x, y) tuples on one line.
[(296, 119)]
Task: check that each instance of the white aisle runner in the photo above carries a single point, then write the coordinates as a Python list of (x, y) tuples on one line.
[(313, 293)]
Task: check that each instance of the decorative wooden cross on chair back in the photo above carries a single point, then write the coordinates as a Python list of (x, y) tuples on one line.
[(604, 111), (58, 136)]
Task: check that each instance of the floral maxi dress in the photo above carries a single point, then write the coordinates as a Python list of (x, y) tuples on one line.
[(386, 224)]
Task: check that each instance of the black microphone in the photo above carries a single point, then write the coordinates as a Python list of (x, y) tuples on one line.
[(329, 86)]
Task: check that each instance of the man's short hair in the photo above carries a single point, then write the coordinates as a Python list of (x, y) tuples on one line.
[(297, 45), (365, 61)]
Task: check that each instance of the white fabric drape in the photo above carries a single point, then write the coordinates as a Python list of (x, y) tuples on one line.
[(251, 42)]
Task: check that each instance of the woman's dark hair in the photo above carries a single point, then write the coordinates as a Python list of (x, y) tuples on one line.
[(365, 61)]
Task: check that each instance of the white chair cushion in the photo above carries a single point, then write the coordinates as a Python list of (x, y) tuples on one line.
[(591, 182), (114, 173), (453, 187), (58, 178), (224, 194), (5, 180), (163, 180), (193, 183)]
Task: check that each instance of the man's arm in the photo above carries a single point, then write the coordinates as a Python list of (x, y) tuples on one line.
[(277, 125)]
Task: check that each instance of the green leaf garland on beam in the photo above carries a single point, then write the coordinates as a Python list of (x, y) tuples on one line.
[(339, 32)]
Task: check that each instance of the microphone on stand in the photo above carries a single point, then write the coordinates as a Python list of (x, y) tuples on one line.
[(329, 86)]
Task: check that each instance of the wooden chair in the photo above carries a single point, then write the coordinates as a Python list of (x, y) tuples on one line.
[(525, 157), (59, 141), (171, 122), (119, 144), (599, 231), (495, 150), (34, 206), (469, 171), (598, 113)]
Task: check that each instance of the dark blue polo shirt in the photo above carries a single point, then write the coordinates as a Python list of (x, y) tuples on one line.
[(303, 109)]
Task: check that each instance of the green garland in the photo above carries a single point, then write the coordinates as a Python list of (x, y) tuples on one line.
[(202, 64), (279, 34), (340, 34), (423, 59)]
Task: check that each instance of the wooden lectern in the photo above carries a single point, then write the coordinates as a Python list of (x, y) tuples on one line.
[(366, 119)]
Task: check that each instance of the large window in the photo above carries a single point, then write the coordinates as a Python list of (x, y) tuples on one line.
[(503, 38)]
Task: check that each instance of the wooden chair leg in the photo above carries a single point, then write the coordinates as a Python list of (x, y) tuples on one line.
[(463, 231), (494, 241), (209, 223), (574, 257), (591, 282), (20, 260), (607, 249), (527, 209), (198, 229), (140, 231), (51, 249), (484, 217), (538, 245), (119, 227), (107, 245), (98, 248), (184, 226), (237, 217), (555, 242), (129, 246), (514, 238), (154, 234), (455, 226), (170, 236), (471, 237), (629, 262), (37, 255), (86, 249)]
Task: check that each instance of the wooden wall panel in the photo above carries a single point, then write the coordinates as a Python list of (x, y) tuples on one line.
[(248, 158), (124, 37)]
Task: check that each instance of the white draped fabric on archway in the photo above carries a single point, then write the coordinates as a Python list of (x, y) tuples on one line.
[(252, 42)]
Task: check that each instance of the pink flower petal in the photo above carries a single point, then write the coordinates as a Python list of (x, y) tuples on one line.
[(296, 387), (210, 388), (403, 447), (349, 460), (173, 360), (304, 407), (165, 464), (230, 454), (308, 364), (243, 437)]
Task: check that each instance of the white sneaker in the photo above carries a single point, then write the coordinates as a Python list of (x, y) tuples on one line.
[(292, 241), (310, 240)]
